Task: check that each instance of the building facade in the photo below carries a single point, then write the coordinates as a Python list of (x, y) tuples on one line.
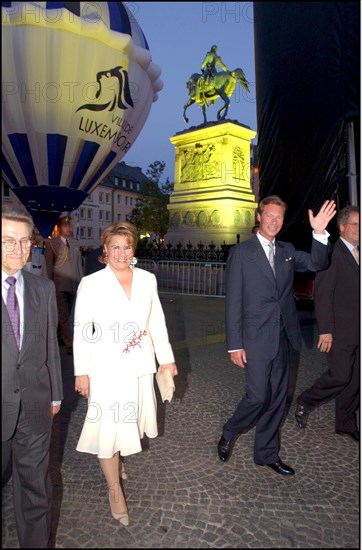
[(112, 200)]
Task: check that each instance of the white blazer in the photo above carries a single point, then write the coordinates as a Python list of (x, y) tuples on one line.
[(111, 331)]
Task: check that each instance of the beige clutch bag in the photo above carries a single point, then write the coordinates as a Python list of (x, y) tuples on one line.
[(166, 385)]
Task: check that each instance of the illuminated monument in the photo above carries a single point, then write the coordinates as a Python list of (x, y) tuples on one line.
[(212, 198)]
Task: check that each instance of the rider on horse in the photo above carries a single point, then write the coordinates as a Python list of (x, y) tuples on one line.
[(207, 87), (208, 66)]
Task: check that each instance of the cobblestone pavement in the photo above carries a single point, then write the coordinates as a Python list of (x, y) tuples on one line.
[(179, 494)]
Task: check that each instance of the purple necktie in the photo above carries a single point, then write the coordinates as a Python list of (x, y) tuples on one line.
[(12, 306)]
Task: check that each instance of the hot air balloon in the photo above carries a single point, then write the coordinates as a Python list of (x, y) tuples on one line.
[(78, 83)]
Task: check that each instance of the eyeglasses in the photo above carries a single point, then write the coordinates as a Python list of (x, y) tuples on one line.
[(11, 245)]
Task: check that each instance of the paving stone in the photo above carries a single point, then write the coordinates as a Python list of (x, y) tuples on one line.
[(178, 492)]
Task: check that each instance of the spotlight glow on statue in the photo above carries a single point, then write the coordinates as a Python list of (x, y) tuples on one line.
[(78, 83), (204, 89)]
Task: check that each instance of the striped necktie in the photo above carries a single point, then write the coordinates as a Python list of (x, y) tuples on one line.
[(12, 305), (271, 256)]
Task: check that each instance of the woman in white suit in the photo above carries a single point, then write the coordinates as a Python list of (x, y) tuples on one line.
[(119, 331)]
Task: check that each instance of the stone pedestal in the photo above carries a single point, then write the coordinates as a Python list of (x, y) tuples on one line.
[(212, 199)]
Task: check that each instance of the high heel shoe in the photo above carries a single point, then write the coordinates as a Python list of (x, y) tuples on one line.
[(122, 518)]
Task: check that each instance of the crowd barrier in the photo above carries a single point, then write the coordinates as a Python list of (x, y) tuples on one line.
[(196, 278)]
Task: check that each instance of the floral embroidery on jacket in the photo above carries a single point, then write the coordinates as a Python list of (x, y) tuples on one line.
[(135, 341)]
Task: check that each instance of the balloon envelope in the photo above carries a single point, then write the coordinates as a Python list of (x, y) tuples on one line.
[(78, 84)]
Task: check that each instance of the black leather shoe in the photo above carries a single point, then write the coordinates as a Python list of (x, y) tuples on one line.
[(281, 468), (301, 416), (224, 448), (354, 435)]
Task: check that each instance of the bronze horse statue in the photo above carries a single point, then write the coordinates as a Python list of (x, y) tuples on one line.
[(205, 92)]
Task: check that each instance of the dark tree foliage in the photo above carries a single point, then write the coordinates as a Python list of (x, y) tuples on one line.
[(150, 213)]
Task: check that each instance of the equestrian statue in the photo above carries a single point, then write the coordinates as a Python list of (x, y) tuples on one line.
[(207, 87)]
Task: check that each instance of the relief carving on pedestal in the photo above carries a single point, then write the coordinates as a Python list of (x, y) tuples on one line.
[(176, 220), (190, 218), (247, 217), (199, 163), (202, 218), (238, 163), (215, 217)]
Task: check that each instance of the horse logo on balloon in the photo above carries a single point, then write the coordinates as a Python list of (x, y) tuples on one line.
[(108, 82), (53, 156)]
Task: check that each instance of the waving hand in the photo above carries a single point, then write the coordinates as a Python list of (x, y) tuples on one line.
[(324, 216)]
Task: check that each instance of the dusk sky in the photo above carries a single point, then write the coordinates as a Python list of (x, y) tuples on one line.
[(179, 34)]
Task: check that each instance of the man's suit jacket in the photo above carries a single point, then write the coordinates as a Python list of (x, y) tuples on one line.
[(337, 297), (91, 262), (32, 375), (256, 301), (64, 265)]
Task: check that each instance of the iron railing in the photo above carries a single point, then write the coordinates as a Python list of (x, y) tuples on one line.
[(196, 278), (208, 278)]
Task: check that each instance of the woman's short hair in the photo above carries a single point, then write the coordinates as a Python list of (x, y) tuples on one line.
[(125, 229)]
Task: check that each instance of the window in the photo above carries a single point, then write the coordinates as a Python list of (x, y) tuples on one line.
[(131, 201), (124, 183), (119, 199), (82, 232), (82, 213), (90, 214), (116, 181), (126, 200), (108, 198), (90, 232), (99, 232), (100, 215), (108, 216), (90, 198), (6, 192), (131, 184), (119, 217), (101, 197), (138, 186)]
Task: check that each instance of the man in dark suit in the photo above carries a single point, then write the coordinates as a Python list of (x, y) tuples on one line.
[(337, 308), (262, 322), (31, 380), (92, 263), (64, 265)]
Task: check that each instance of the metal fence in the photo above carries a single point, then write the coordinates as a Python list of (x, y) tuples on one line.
[(208, 278), (196, 278)]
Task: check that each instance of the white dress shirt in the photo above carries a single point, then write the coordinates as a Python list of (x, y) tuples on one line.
[(323, 239)]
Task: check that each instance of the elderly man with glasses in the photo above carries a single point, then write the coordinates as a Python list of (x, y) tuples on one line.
[(31, 380), (337, 307)]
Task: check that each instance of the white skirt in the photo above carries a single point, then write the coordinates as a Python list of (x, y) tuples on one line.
[(119, 416)]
